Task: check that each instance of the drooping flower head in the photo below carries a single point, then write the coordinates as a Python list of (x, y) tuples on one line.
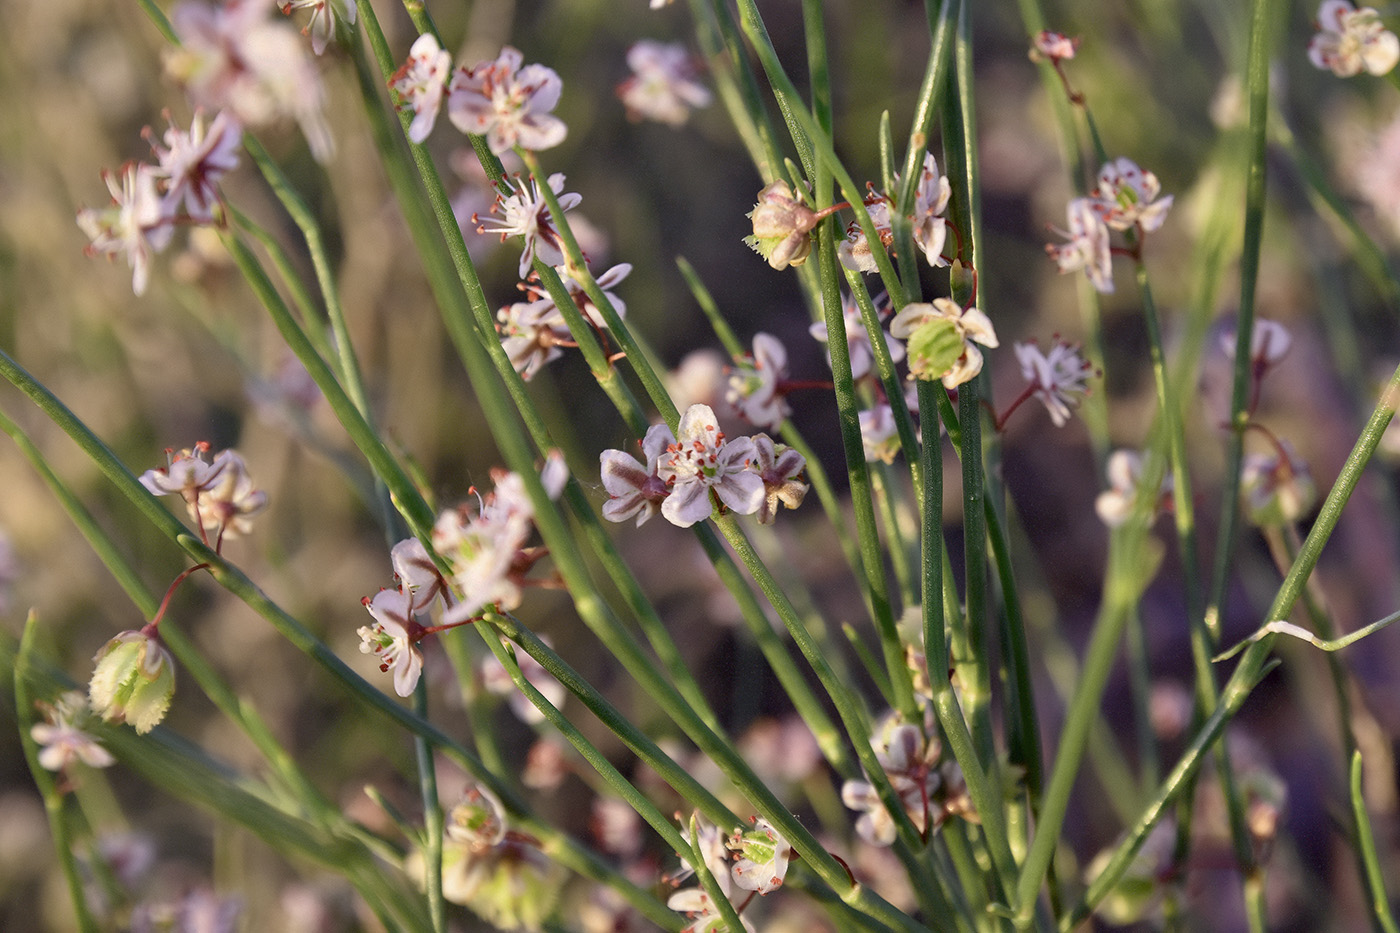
[(192, 163), (133, 681), (1088, 246), (930, 201), (909, 757), (478, 821), (420, 83), (702, 460), (1058, 378), (781, 469), (391, 638), (942, 340), (217, 489), (1127, 197), (1269, 343), (507, 104), (520, 210), (782, 225), (1277, 488), (1349, 40), (663, 86), (136, 224)]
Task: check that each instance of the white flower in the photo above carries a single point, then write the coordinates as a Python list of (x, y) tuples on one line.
[(324, 14), (1277, 487), (858, 338), (1058, 378), (391, 638), (1349, 40), (879, 434), (702, 460), (1127, 197), (1053, 46), (930, 200), (217, 489), (507, 104), (61, 739), (417, 574), (1088, 246), (910, 760), (1268, 344), (1124, 470), (854, 251), (522, 211), (779, 466), (192, 163), (712, 849), (634, 488), (755, 384), (942, 340), (233, 57), (663, 85), (136, 224), (763, 857), (420, 84), (478, 821), (704, 916)]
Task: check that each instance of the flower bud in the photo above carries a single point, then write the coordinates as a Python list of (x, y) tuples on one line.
[(133, 682)]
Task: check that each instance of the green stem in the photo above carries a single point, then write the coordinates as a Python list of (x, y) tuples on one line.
[(1366, 846), (432, 814)]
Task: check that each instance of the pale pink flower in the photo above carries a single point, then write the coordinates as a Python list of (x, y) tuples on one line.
[(1276, 487), (702, 460), (418, 576), (192, 163), (1088, 246), (930, 201), (782, 226), (755, 383), (617, 827), (910, 760), (862, 355), (712, 849), (478, 821), (1268, 344), (878, 434), (780, 467), (1125, 470), (420, 84), (533, 331), (232, 57), (136, 224), (663, 85), (1349, 40), (1127, 197), (521, 210), (635, 488), (763, 856), (1053, 46), (217, 489), (324, 15), (61, 739), (942, 340), (855, 251), (390, 638), (1058, 378), (507, 104)]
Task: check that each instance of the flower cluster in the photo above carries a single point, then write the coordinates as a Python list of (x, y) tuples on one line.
[(1349, 40), (217, 488), (1126, 199), (233, 57), (682, 478), (930, 228), (534, 331), (928, 792), (521, 210), (760, 862), (663, 85), (148, 200)]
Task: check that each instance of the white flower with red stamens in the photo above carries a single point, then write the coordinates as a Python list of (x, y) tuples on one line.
[(763, 857), (192, 163), (324, 16), (420, 84), (390, 638), (137, 224), (1349, 40), (754, 385), (635, 488), (1127, 197), (507, 104), (521, 210), (663, 85), (1058, 378), (702, 460), (1088, 246)]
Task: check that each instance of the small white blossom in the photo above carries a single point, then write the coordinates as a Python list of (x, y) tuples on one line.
[(910, 760), (420, 84), (763, 856), (1127, 197), (478, 821), (507, 104), (217, 489), (930, 201), (1349, 40), (879, 434), (1053, 46), (1124, 470), (417, 574), (137, 224), (192, 163), (324, 15), (635, 488), (780, 467), (521, 210), (1277, 488), (1268, 344), (702, 460), (663, 85), (1088, 246), (1058, 378), (61, 739), (390, 638), (755, 385), (854, 251), (858, 346)]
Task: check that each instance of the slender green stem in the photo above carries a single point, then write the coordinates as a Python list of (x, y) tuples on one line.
[(1366, 846), (432, 814)]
